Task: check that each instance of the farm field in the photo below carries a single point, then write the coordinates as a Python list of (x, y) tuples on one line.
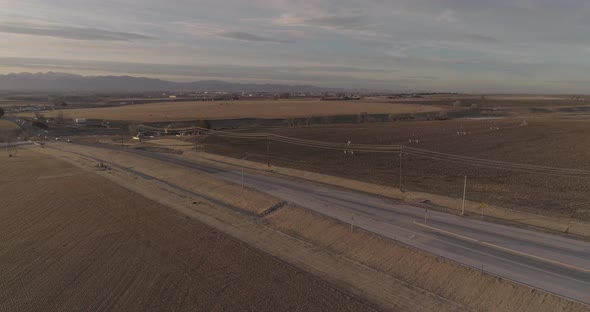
[(542, 142), (508, 97), (5, 103), (283, 109), (241, 109), (74, 241)]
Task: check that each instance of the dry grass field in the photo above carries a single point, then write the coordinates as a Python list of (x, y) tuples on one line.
[(312, 107), (543, 142), (5, 103), (74, 241), (511, 102), (507, 97), (242, 109)]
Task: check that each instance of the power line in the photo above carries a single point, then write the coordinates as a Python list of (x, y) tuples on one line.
[(397, 149)]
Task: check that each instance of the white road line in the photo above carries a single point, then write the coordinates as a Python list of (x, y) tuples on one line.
[(505, 249)]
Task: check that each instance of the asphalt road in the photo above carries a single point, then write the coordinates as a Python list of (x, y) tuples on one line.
[(552, 263)]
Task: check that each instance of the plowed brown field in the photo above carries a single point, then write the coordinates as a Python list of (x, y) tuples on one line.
[(242, 109)]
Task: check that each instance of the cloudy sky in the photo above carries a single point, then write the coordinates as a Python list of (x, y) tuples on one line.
[(439, 45)]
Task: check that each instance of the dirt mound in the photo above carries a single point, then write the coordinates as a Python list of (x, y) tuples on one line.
[(8, 131)]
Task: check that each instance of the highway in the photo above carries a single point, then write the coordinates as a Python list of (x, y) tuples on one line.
[(553, 263)]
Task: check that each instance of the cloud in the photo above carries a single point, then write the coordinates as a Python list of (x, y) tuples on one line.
[(344, 69), (570, 82), (481, 38), (446, 16), (69, 32), (202, 28), (238, 35), (343, 21), (335, 21), (423, 77), (468, 44)]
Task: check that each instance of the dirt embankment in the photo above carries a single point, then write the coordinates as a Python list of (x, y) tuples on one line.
[(476, 290), (74, 241), (202, 184), (8, 131)]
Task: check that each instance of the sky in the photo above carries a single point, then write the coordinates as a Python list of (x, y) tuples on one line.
[(477, 46)]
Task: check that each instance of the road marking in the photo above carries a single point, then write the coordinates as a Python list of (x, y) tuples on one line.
[(408, 242), (504, 248)]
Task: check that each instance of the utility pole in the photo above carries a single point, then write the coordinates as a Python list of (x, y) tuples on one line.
[(243, 174), (268, 150), (351, 223), (464, 191), (401, 153)]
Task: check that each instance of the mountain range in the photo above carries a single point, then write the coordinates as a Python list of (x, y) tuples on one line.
[(53, 82)]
